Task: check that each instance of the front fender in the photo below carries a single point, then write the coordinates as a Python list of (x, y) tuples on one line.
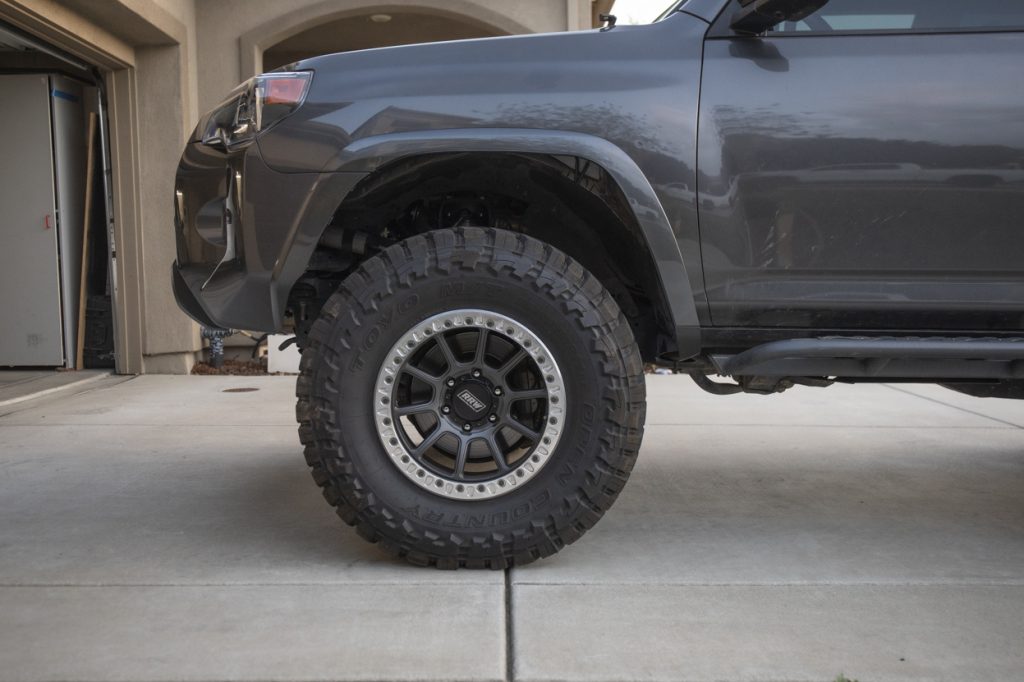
[(369, 154)]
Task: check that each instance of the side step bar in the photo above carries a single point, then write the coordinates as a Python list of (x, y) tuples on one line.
[(907, 358)]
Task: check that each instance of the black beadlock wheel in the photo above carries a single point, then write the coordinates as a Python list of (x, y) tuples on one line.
[(471, 397)]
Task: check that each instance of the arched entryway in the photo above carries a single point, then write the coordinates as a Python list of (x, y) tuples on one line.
[(374, 29), (346, 25)]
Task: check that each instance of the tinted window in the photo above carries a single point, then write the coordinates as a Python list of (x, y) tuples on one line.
[(911, 15)]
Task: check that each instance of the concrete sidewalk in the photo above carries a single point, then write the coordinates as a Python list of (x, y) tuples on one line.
[(161, 529)]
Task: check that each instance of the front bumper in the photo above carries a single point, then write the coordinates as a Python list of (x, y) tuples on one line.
[(245, 234)]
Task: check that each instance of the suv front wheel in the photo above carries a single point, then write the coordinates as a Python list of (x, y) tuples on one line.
[(471, 397)]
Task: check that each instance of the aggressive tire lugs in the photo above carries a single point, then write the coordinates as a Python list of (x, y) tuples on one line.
[(566, 306)]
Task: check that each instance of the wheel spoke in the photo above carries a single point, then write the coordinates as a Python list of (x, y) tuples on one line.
[(420, 374), (430, 441), (511, 363), (446, 351), (418, 408), (514, 424), (481, 348), (496, 452), (528, 394), (460, 458)]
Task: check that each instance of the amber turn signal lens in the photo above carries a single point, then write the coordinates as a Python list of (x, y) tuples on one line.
[(285, 90)]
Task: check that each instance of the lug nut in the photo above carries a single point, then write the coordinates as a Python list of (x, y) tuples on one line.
[(446, 409), (450, 382), (467, 427), (493, 418), (497, 390), (476, 374)]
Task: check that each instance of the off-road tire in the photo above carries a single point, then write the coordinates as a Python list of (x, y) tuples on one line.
[(509, 274)]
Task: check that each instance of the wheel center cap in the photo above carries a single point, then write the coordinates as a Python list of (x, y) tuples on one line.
[(471, 400)]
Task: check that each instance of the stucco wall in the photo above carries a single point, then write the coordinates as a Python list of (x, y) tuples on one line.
[(221, 25), (165, 328), (168, 106), (185, 12)]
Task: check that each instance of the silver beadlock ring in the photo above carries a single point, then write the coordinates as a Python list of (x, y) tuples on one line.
[(472, 401)]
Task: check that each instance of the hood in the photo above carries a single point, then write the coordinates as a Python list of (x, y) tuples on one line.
[(484, 65), (629, 82)]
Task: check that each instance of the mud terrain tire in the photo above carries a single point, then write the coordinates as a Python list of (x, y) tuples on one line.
[(510, 275)]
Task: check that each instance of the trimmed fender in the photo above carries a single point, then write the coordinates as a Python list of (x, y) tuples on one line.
[(372, 153)]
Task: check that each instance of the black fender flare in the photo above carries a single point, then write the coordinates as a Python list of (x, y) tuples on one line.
[(369, 154)]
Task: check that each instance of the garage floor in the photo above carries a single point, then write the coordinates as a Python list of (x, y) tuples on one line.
[(20, 385), (161, 529)]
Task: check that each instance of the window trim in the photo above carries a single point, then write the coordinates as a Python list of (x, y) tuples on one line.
[(720, 30)]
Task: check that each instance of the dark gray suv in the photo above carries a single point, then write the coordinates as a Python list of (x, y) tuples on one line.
[(479, 244)]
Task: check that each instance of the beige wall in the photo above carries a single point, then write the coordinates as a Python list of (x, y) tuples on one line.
[(164, 62), (185, 12), (229, 32), (162, 130), (168, 106)]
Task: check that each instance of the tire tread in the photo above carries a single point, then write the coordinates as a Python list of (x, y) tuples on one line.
[(547, 271)]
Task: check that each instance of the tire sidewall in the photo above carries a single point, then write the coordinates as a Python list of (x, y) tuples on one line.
[(369, 334)]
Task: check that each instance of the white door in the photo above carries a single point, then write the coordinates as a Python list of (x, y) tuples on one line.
[(30, 306)]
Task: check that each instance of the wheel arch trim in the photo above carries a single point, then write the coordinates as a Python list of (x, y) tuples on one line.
[(372, 153)]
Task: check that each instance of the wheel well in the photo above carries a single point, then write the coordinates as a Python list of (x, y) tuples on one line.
[(568, 202)]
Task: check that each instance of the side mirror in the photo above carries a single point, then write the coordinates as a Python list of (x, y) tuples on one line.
[(754, 17)]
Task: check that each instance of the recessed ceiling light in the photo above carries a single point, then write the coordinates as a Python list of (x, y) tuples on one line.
[(380, 18)]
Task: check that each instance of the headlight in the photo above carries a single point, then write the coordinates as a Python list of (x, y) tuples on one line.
[(253, 106)]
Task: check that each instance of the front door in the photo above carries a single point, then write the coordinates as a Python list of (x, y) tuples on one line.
[(864, 168)]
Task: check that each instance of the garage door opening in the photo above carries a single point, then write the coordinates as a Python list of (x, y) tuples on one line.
[(55, 277)]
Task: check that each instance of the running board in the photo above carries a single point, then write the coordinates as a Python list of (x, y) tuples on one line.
[(907, 358)]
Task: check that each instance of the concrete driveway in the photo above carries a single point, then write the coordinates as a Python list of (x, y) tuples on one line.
[(161, 529)]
